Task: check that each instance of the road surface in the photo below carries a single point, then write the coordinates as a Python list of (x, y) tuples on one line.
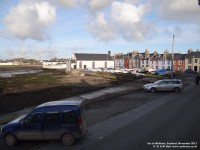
[(168, 122), (96, 113), (173, 125)]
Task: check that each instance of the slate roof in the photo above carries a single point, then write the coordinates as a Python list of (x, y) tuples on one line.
[(155, 58), (119, 57), (194, 55), (179, 56), (94, 57)]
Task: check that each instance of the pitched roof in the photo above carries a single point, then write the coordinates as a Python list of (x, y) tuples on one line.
[(155, 58), (179, 56), (119, 57), (85, 56), (194, 55)]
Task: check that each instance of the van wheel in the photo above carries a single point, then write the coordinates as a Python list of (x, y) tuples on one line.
[(153, 90), (176, 89), (10, 140), (68, 139)]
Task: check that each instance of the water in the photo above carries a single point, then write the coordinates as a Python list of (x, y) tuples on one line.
[(11, 73)]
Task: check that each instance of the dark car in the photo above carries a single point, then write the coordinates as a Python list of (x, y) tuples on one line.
[(190, 71), (55, 120)]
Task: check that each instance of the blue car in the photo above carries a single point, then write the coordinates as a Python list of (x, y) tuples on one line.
[(160, 71), (64, 120)]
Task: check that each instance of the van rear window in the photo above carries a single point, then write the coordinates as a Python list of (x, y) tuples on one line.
[(69, 117)]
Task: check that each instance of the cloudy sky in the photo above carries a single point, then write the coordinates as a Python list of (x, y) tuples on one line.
[(43, 29)]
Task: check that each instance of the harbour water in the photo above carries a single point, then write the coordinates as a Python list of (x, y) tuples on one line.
[(11, 73)]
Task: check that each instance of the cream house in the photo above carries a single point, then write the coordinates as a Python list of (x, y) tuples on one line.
[(192, 61)]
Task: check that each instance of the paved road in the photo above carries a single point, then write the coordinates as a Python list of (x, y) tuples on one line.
[(168, 122), (95, 113), (176, 123)]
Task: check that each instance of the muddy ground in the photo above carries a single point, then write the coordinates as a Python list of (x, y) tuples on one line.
[(26, 90), (48, 85)]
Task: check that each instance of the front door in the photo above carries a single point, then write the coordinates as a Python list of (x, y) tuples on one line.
[(31, 127), (195, 68)]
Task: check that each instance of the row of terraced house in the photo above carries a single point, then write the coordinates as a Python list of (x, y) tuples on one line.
[(179, 62)]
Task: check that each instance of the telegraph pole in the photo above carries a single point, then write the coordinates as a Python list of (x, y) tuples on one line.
[(172, 52)]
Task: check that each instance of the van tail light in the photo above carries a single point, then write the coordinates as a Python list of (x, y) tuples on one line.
[(80, 122)]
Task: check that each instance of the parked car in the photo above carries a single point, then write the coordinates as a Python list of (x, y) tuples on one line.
[(55, 120), (143, 71), (160, 71), (190, 71), (151, 70), (118, 70), (125, 71), (167, 73), (164, 85)]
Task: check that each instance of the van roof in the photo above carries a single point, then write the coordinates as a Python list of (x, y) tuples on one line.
[(62, 102)]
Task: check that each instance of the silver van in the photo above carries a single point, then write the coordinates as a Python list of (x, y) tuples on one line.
[(164, 85)]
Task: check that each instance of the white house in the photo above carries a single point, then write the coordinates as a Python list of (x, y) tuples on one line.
[(119, 61), (89, 61), (160, 62)]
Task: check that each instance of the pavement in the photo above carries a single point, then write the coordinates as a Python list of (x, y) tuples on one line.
[(87, 98)]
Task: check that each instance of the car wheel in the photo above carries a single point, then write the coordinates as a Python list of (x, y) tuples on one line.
[(153, 90), (10, 140), (68, 139), (176, 89)]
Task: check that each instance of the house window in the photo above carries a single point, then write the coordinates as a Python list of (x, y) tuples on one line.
[(189, 60), (168, 62), (80, 64), (146, 61), (196, 61), (142, 61), (93, 64)]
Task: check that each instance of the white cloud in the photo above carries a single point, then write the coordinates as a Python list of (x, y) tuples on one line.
[(100, 28), (127, 13), (126, 22), (65, 3), (179, 10), (30, 20), (96, 5)]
